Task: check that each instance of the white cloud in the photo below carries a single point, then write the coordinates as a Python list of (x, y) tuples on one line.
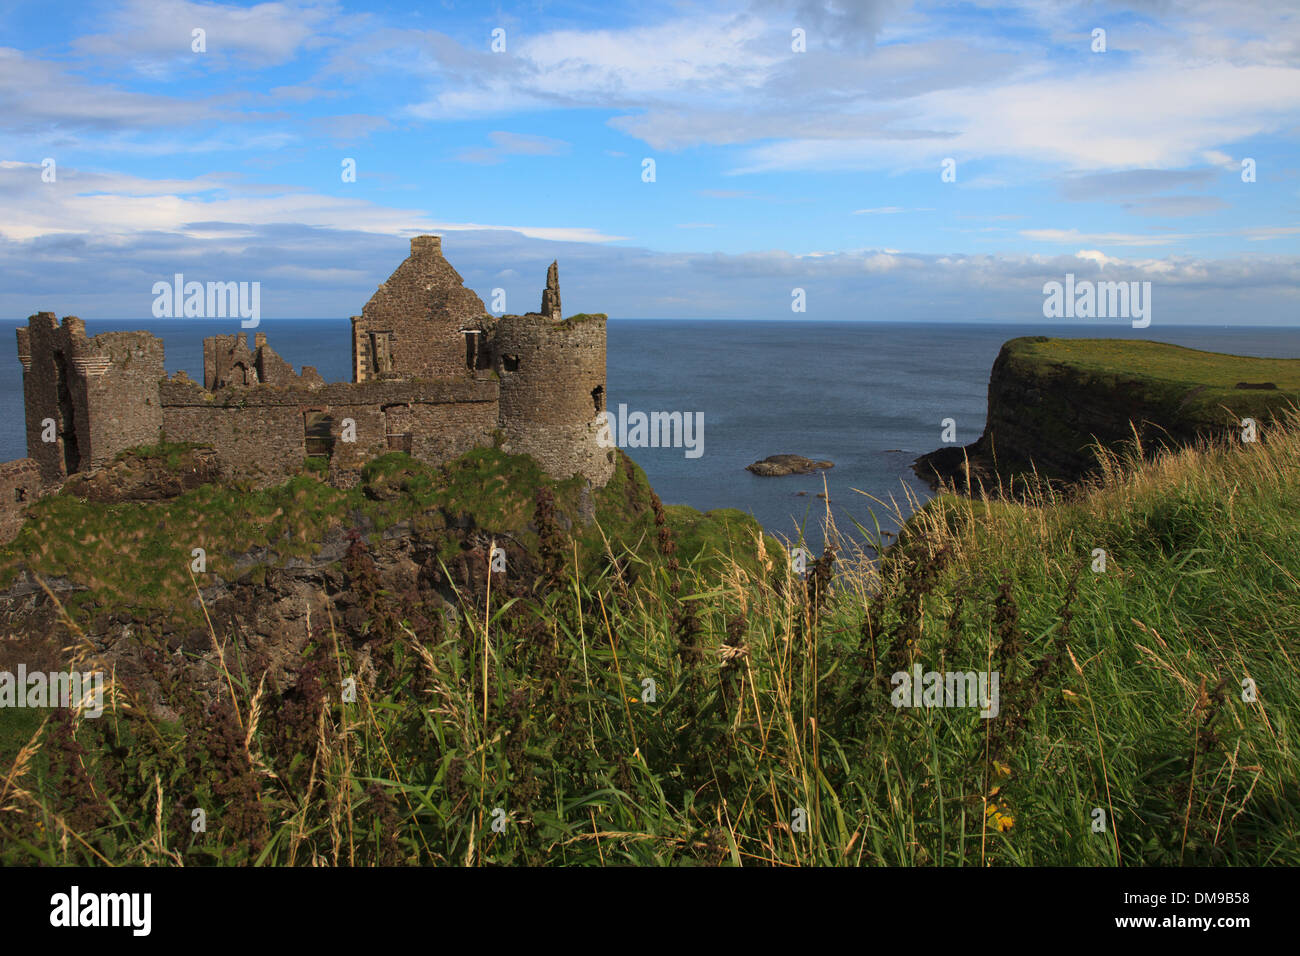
[(1072, 236), (154, 37), (113, 204), (40, 96), (1166, 97), (321, 271)]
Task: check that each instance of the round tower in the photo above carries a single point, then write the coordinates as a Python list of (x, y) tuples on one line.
[(552, 375)]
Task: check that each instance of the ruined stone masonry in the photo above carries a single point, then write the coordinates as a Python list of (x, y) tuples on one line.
[(433, 374)]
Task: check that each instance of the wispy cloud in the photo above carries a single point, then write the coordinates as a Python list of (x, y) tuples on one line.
[(83, 202), (156, 37), (314, 272), (512, 144), (1072, 236)]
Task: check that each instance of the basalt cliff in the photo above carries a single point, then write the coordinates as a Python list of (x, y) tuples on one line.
[(1051, 402)]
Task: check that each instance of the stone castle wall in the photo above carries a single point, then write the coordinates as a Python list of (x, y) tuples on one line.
[(412, 324), (433, 375), (263, 434), (101, 393), (227, 360), (20, 485), (552, 388)]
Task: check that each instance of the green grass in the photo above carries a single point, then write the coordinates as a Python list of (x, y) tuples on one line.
[(1167, 363), (1121, 692), (1195, 387), (66, 537)]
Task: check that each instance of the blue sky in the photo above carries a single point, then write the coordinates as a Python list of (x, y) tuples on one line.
[(774, 168)]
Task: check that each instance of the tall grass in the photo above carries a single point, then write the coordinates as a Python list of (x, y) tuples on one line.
[(524, 730)]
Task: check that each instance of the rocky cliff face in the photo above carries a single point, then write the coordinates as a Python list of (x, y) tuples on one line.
[(105, 568), (1050, 401), (144, 477), (359, 583)]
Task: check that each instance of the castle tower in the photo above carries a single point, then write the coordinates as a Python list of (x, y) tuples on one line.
[(92, 397), (421, 323), (552, 374)]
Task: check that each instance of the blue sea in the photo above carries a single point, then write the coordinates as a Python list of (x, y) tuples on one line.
[(869, 396)]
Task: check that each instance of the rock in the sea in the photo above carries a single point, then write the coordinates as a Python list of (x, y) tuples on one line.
[(776, 465)]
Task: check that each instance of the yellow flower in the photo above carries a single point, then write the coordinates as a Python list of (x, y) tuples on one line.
[(1003, 821)]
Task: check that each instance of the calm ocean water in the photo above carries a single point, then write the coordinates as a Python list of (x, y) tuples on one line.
[(868, 396)]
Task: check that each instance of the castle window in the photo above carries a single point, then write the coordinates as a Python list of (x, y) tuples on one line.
[(398, 427), (510, 363), (20, 494), (318, 434), (598, 397), (381, 344), (471, 348)]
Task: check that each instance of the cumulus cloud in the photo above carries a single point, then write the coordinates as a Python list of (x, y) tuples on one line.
[(1205, 79)]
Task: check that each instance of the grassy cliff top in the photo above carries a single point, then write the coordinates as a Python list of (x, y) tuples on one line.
[(1159, 360), (137, 554), (1178, 387)]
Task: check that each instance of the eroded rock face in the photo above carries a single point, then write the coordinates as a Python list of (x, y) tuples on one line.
[(775, 466), (1046, 417), (265, 617)]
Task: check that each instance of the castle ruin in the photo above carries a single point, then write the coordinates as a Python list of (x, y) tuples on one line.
[(434, 374)]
